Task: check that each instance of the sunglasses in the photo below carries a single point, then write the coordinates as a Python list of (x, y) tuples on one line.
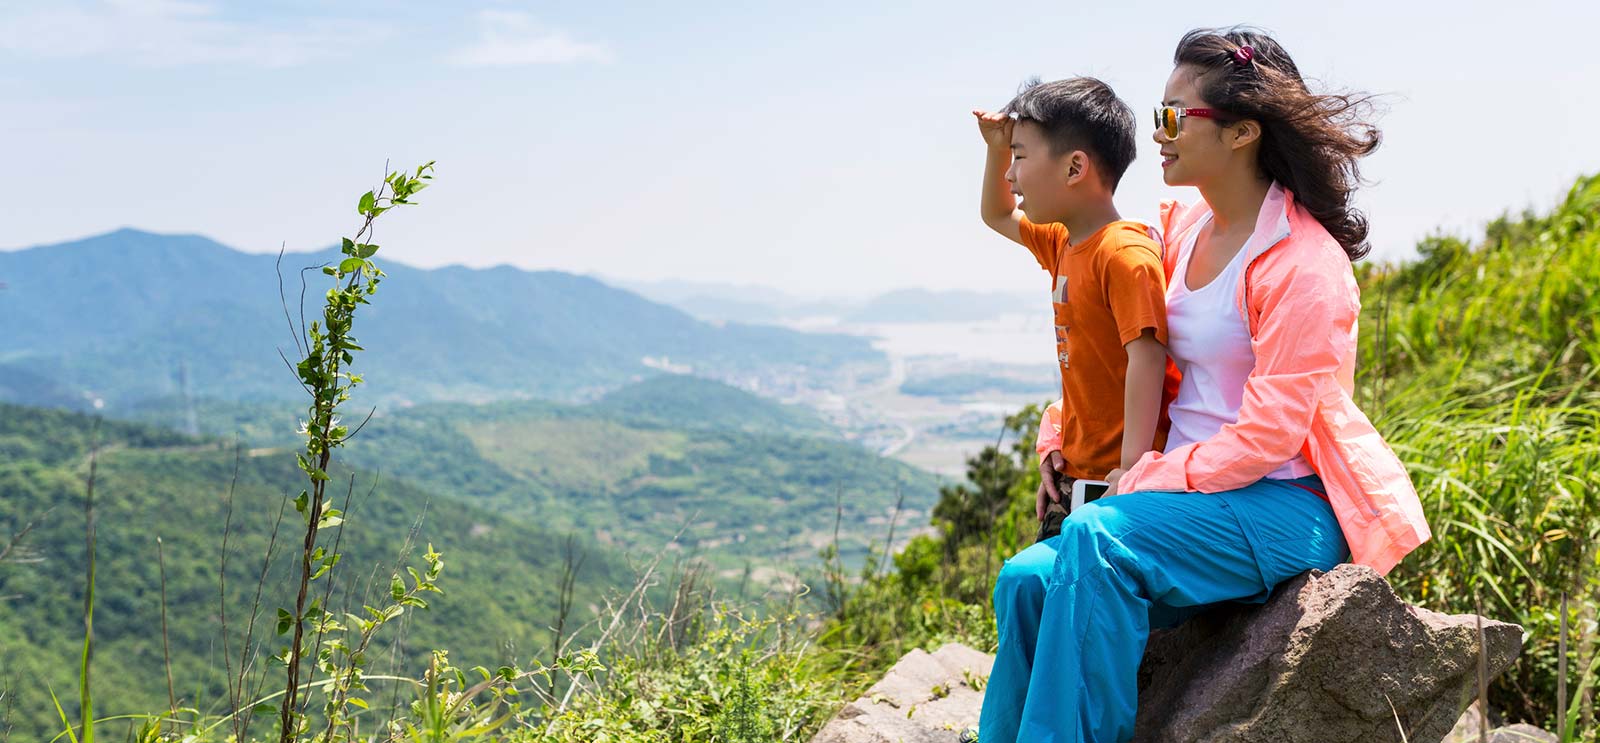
[(1169, 117)]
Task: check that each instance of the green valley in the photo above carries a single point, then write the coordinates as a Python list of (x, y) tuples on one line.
[(501, 581)]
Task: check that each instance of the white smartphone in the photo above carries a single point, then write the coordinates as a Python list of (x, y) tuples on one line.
[(1087, 491)]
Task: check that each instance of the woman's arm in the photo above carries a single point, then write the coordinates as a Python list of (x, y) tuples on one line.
[(1305, 315)]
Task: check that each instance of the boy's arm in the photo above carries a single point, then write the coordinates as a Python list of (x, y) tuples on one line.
[(998, 205), (1135, 286), (1141, 406)]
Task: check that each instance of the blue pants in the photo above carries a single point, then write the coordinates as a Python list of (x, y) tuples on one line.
[(1074, 611)]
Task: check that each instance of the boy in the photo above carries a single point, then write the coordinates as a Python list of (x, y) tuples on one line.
[(1062, 147)]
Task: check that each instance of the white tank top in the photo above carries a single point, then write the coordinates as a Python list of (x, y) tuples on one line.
[(1210, 343)]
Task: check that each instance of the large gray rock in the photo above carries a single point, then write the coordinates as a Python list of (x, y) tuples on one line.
[(1521, 733), (924, 698), (1332, 657), (1468, 730), (1321, 662), (1469, 726)]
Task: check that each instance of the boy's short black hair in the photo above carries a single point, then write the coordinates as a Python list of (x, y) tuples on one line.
[(1080, 113)]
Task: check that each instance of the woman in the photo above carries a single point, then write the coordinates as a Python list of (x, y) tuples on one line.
[(1270, 469)]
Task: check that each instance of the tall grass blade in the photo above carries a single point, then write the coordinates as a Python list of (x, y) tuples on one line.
[(85, 699), (1561, 673), (67, 726)]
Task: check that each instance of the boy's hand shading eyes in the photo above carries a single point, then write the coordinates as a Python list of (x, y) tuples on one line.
[(995, 128)]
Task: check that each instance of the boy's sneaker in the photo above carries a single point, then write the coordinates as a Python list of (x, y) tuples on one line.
[(1054, 514), (970, 735)]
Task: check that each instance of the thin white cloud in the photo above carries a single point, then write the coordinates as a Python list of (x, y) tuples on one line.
[(511, 39), (170, 33)]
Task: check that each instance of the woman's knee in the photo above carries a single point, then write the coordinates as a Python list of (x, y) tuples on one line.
[(1088, 524), (1027, 570), (1091, 538)]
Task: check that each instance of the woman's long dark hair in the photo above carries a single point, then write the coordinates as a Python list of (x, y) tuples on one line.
[(1309, 142)]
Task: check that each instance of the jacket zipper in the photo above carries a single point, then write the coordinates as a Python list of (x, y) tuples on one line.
[(1366, 498)]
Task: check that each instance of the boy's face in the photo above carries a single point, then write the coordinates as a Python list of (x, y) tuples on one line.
[(1041, 179)]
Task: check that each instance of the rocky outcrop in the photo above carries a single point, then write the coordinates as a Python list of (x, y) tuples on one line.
[(924, 698), (1332, 657), (1471, 722)]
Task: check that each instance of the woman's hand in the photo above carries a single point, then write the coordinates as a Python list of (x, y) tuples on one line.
[(1115, 478)]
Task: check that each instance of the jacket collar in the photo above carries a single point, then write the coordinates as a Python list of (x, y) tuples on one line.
[(1272, 224)]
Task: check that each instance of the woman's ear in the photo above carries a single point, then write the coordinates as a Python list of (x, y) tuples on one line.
[(1245, 132)]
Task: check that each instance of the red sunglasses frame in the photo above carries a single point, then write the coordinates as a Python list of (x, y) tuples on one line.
[(1202, 113)]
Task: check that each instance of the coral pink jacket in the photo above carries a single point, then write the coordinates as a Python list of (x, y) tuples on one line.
[(1301, 302)]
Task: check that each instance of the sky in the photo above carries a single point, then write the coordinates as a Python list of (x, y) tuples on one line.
[(822, 148)]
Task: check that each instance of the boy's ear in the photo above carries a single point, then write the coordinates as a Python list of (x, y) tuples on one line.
[(1077, 166)]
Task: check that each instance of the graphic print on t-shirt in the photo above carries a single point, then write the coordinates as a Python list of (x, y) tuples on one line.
[(1058, 300)]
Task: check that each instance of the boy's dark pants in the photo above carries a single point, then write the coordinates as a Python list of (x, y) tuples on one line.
[(1055, 513)]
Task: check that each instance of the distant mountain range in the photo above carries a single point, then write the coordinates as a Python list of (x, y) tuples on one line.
[(132, 315)]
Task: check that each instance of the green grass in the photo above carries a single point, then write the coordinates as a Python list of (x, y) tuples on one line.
[(1481, 364)]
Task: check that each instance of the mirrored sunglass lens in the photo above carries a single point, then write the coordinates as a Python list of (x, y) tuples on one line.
[(1169, 121)]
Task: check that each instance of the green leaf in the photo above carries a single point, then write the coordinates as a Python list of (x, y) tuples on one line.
[(397, 588), (365, 250), (367, 202), (285, 621), (70, 734), (350, 265)]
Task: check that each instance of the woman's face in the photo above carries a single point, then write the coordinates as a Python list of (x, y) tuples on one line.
[(1199, 153)]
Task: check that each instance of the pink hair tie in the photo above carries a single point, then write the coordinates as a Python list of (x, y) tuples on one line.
[(1243, 55)]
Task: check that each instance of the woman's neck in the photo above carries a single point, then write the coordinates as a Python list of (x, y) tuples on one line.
[(1235, 202)]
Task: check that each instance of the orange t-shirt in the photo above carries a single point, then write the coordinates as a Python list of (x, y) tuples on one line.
[(1106, 290)]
